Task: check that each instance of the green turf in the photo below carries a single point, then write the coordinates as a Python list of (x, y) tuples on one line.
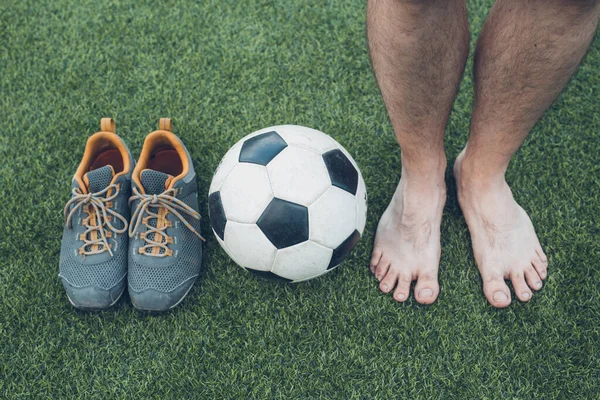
[(222, 69)]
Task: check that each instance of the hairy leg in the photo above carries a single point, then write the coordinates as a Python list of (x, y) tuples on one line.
[(527, 52), (418, 50)]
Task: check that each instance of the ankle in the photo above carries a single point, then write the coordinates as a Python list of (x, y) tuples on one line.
[(424, 168), (473, 174), (421, 189)]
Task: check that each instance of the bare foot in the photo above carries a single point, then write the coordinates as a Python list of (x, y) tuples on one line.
[(504, 242), (407, 244)]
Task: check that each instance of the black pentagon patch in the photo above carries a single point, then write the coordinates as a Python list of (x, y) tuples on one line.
[(284, 223), (341, 171), (262, 149), (343, 249), (216, 212), (269, 275)]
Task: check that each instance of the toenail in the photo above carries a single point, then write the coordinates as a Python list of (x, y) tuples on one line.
[(378, 277), (384, 287), (425, 293), (538, 285), (526, 295), (400, 296), (500, 296)]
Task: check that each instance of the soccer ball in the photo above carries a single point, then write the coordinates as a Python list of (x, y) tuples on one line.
[(288, 202)]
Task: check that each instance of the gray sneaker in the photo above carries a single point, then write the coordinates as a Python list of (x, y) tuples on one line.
[(93, 256), (165, 247)]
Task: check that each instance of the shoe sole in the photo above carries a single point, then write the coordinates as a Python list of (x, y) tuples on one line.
[(97, 308)]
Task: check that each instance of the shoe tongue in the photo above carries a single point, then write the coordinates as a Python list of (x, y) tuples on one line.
[(155, 182), (98, 179)]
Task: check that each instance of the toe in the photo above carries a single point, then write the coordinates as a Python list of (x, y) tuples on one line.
[(403, 288), (382, 269), (92, 297), (496, 292), (154, 300), (427, 287), (389, 281), (375, 257), (540, 252), (533, 278), (521, 289), (541, 264)]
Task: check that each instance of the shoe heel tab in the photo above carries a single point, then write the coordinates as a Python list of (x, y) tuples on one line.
[(108, 125), (165, 124)]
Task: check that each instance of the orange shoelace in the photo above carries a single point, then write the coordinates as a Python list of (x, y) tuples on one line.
[(165, 203), (100, 212)]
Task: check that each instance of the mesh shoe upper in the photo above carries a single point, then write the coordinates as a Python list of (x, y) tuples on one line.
[(150, 273), (99, 179), (96, 216), (100, 270), (165, 245)]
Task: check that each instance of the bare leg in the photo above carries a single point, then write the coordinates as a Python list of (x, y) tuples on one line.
[(418, 50), (527, 51)]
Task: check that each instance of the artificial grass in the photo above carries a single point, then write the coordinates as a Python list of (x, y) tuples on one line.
[(222, 69)]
